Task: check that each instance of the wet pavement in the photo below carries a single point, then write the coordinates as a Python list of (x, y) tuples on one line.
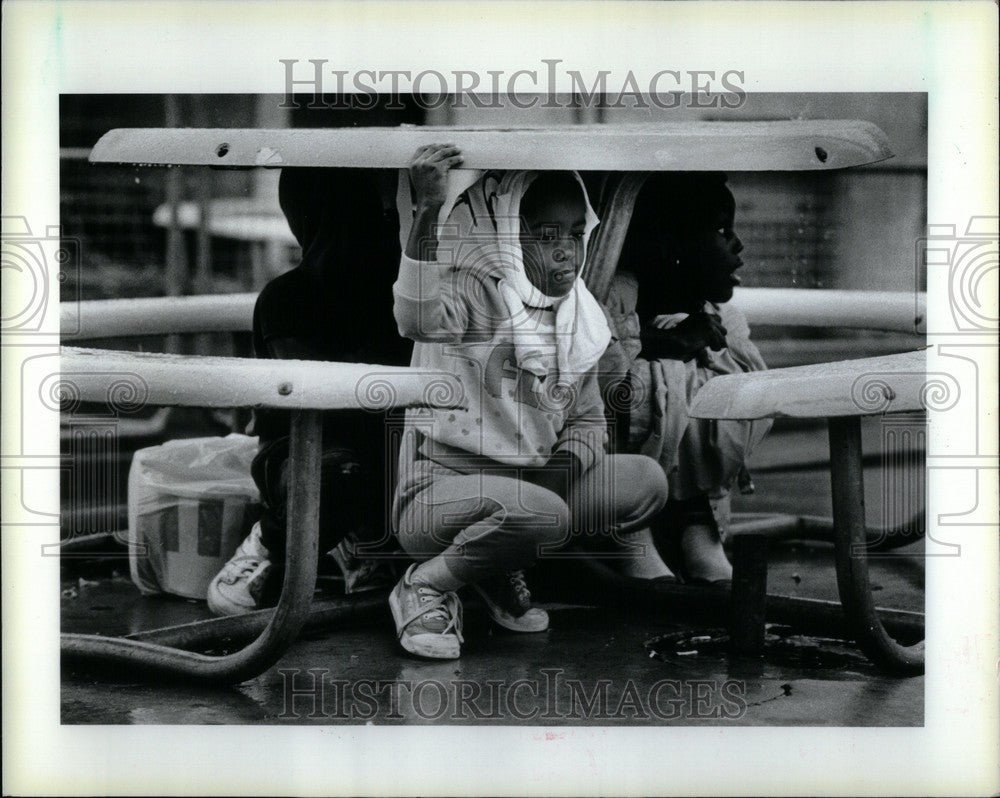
[(595, 665)]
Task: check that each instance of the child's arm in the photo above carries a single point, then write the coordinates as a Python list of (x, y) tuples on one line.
[(585, 434), (429, 176), (426, 306), (683, 341), (582, 440)]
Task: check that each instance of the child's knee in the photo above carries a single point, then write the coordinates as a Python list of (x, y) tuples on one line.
[(652, 476), (556, 531), (543, 514), (645, 479)]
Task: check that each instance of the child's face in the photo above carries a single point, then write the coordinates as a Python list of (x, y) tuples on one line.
[(552, 244), (709, 257)]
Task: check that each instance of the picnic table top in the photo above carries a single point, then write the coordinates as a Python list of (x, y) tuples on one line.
[(868, 386), (790, 145)]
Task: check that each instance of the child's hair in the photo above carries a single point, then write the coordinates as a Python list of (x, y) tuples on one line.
[(546, 186), (314, 198), (676, 200), (668, 206)]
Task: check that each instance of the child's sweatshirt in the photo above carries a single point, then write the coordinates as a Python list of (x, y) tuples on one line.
[(461, 325)]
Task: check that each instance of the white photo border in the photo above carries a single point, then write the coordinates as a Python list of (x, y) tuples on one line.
[(89, 46)]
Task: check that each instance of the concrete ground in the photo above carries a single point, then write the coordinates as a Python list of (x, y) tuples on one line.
[(595, 665)]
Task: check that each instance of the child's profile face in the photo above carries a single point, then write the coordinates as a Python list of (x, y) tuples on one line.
[(710, 256), (552, 242)]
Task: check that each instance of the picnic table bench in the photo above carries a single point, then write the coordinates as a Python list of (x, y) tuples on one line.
[(306, 389)]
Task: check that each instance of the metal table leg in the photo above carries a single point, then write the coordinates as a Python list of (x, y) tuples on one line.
[(135, 656), (850, 543)]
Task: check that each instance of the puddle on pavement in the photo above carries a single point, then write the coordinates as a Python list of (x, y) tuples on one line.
[(783, 648)]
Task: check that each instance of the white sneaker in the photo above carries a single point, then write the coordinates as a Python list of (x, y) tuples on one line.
[(237, 588), (428, 622), (508, 601)]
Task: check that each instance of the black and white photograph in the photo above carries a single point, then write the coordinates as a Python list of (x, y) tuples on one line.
[(601, 421)]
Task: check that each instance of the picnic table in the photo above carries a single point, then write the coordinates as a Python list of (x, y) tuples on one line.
[(842, 393)]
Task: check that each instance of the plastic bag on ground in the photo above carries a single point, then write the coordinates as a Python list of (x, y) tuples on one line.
[(190, 504)]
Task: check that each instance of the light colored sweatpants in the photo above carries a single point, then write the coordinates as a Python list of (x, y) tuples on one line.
[(495, 519)]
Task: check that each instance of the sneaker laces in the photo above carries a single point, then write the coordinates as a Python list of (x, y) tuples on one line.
[(440, 607), (250, 565), (243, 566), (516, 579), (250, 554)]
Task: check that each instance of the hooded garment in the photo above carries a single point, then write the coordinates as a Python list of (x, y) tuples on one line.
[(527, 361), (349, 257), (336, 305), (481, 226), (582, 332)]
